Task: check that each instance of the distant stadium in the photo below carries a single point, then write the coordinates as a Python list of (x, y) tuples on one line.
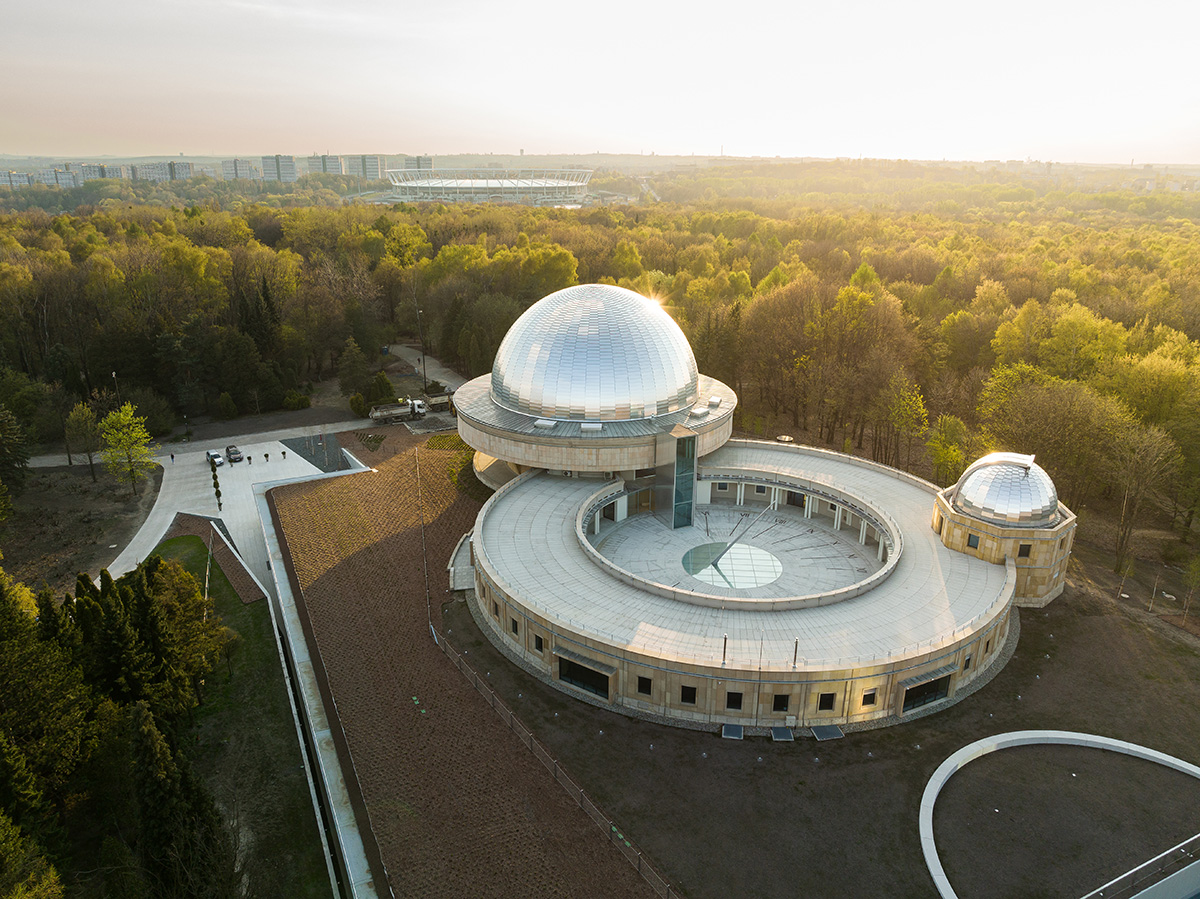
[(534, 187)]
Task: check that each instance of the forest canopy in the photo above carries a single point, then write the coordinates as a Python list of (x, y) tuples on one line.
[(913, 312)]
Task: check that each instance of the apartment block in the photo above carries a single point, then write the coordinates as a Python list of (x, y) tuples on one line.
[(279, 168), (233, 169)]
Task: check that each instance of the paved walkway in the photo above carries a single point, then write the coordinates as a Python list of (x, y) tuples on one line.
[(434, 369), (54, 460), (187, 487)]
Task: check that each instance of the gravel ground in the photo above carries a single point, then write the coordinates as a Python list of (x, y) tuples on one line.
[(459, 807)]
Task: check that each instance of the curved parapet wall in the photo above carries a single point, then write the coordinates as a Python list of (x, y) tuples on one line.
[(581, 446), (933, 624), (888, 533), (988, 745)]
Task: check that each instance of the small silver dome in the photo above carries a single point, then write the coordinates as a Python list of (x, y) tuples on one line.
[(1007, 489), (595, 353)]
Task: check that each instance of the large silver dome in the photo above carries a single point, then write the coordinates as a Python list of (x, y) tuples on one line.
[(1008, 489), (595, 353)]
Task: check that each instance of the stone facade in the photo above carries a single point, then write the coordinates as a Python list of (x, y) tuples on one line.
[(1040, 554)]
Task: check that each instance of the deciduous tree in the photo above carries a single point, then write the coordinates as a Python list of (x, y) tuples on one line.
[(83, 434), (126, 446)]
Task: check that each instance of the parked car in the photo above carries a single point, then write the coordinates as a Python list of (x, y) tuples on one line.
[(214, 457), (233, 454)]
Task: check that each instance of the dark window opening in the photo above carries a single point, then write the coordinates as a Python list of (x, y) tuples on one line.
[(869, 697), (1023, 550), (515, 627), (583, 677), (644, 686), (733, 700), (687, 695), (795, 499), (760, 488), (987, 647), (973, 541), (967, 664), (923, 694), (780, 702), (609, 511), (495, 609), (721, 485), (825, 702), (538, 643)]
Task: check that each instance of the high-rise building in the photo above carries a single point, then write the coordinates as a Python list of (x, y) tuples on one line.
[(421, 163), (15, 179), (279, 168), (90, 171), (162, 171), (325, 165), (58, 178), (371, 167), (233, 169)]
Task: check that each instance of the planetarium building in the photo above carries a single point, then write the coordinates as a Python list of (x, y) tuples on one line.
[(636, 557)]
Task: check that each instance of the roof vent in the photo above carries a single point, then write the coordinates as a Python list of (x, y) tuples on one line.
[(591, 426), (544, 423), (713, 402)]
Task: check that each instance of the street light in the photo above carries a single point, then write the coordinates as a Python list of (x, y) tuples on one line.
[(421, 337)]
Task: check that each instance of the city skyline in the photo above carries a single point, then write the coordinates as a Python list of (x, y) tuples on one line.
[(1057, 81)]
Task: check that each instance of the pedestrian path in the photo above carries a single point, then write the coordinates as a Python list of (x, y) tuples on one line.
[(187, 487)]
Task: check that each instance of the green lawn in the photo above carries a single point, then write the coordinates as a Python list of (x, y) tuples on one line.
[(246, 747)]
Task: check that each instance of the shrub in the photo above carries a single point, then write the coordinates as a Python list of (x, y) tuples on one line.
[(293, 400), (226, 407), (359, 406), (381, 390)]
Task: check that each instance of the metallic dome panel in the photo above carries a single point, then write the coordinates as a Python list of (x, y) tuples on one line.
[(595, 353), (1008, 489)]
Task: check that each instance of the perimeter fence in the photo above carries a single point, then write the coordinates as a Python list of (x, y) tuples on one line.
[(609, 828)]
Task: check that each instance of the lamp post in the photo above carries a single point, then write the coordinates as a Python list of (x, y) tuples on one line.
[(116, 387), (421, 337)]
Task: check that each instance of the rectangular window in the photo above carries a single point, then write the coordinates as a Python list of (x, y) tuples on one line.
[(760, 488), (780, 702), (538, 644), (868, 697), (825, 702), (583, 677), (967, 664), (973, 541), (1023, 550), (514, 627), (644, 686), (987, 647), (733, 700), (495, 609), (721, 485), (687, 695)]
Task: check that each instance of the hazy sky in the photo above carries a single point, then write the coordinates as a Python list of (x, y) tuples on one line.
[(1051, 80)]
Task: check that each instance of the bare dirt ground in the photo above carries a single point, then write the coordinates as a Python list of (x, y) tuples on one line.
[(63, 524), (458, 806), (757, 818)]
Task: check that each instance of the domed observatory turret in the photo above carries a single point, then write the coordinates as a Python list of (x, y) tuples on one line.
[(1005, 507), (589, 381)]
